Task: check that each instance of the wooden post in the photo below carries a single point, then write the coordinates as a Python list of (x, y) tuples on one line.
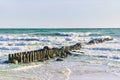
[(49, 53), (53, 54), (13, 56), (32, 56), (24, 58), (16, 56), (27, 57), (41, 55), (38, 56), (10, 57), (21, 58)]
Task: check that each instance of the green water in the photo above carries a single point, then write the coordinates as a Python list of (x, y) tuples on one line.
[(103, 31)]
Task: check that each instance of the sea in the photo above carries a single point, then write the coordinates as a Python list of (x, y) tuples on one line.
[(93, 62)]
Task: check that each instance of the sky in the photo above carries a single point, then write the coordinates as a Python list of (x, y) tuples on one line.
[(59, 13)]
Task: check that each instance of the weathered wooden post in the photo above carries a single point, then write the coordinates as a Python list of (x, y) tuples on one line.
[(42, 55), (35, 56), (18, 57), (21, 58), (53, 54), (13, 56), (32, 56), (45, 54), (49, 53), (38, 55), (27, 57), (24, 58), (10, 57)]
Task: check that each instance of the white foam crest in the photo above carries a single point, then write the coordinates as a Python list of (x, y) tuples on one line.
[(7, 37), (101, 37), (74, 33), (57, 41)]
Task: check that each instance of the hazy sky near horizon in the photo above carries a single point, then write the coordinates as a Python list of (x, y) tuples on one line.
[(59, 13)]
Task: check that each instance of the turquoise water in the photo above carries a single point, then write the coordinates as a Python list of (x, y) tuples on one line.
[(21, 31), (53, 32)]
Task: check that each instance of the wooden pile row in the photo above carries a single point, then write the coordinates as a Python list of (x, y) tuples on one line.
[(42, 55)]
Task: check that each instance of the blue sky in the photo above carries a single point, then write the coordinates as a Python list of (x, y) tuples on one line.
[(59, 13)]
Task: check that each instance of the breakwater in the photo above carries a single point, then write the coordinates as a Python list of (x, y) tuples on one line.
[(47, 53), (42, 55)]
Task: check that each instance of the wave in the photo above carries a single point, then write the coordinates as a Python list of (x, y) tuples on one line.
[(70, 34), (35, 37), (75, 34), (18, 37)]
